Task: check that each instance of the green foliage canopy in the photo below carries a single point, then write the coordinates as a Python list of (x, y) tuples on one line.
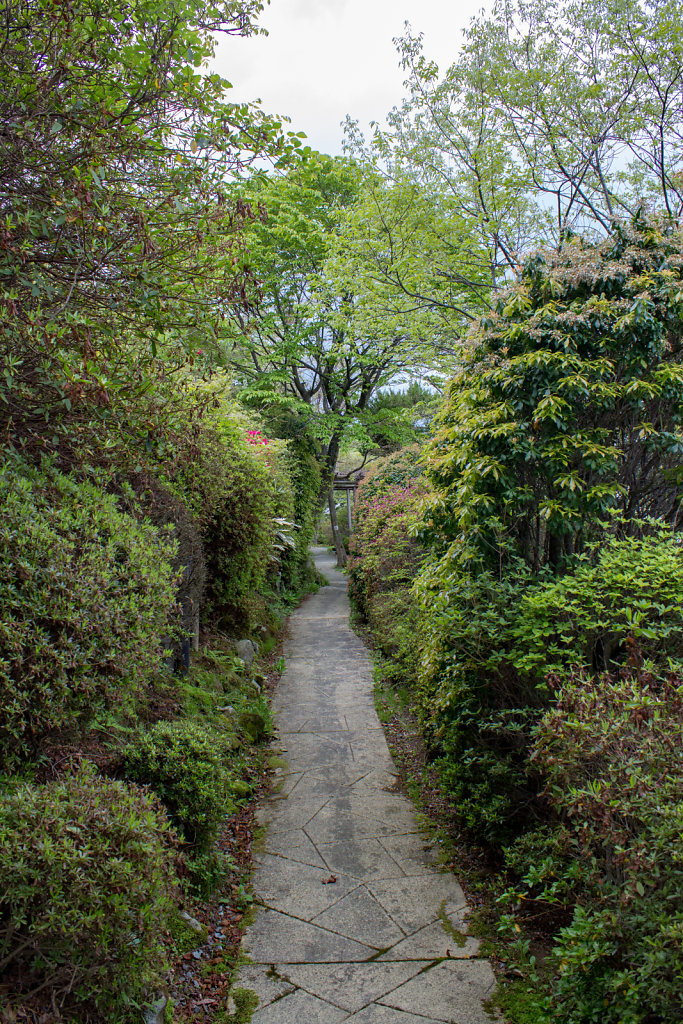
[(115, 229), (306, 342), (569, 404)]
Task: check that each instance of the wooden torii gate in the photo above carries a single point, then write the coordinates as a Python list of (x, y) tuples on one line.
[(342, 483)]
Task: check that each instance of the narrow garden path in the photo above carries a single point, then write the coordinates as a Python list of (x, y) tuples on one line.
[(355, 922)]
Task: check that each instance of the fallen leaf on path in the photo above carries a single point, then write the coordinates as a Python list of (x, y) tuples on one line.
[(330, 880)]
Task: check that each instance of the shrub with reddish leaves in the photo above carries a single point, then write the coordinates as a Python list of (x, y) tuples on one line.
[(610, 748)]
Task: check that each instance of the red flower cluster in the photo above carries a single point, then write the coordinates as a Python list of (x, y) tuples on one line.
[(256, 438)]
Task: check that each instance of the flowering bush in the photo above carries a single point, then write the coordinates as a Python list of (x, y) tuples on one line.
[(257, 439), (385, 559)]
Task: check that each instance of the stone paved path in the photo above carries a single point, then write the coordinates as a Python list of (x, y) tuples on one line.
[(355, 923)]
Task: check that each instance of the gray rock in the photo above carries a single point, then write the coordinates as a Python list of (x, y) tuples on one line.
[(155, 1013), (245, 650), (193, 923)]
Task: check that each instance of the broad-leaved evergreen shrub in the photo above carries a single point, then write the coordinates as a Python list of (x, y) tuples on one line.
[(184, 764), (610, 751), (86, 597), (626, 586), (87, 869), (567, 409), (569, 404)]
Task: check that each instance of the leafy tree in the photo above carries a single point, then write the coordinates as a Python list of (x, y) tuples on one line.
[(115, 231), (304, 342), (569, 404), (558, 116), (590, 94), (399, 418), (412, 258)]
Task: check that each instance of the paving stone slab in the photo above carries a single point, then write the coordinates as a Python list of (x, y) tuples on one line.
[(295, 812), (311, 753), (431, 943), (350, 986), (302, 890), (264, 982), (299, 1008), (419, 900), (342, 775), (286, 782), (453, 992), (378, 1014), (294, 845), (310, 720), (342, 819), (359, 916), (410, 851), (278, 938), (362, 858)]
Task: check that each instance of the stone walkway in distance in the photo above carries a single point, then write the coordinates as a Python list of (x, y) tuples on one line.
[(354, 922)]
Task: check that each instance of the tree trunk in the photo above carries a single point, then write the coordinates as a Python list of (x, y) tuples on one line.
[(327, 461), (338, 543)]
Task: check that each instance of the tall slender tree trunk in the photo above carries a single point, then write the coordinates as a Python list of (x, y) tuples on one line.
[(338, 542)]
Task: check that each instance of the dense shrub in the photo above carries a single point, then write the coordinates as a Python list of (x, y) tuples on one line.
[(609, 748), (184, 764), (86, 868), (304, 475), (86, 593), (385, 558), (239, 536), (475, 707), (626, 586), (489, 642)]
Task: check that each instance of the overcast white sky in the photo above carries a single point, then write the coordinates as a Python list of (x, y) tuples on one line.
[(324, 59)]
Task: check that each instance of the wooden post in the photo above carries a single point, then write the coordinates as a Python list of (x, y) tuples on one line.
[(348, 509)]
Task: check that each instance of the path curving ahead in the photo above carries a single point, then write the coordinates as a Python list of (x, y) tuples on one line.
[(355, 922)]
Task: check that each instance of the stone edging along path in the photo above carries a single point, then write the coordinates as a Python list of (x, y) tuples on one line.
[(354, 920)]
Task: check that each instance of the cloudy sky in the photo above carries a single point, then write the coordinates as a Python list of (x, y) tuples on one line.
[(324, 59)]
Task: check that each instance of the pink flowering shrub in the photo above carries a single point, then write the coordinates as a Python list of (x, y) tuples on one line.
[(385, 558), (257, 439)]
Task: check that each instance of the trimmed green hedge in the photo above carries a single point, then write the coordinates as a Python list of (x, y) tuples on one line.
[(86, 593), (87, 887), (183, 763)]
